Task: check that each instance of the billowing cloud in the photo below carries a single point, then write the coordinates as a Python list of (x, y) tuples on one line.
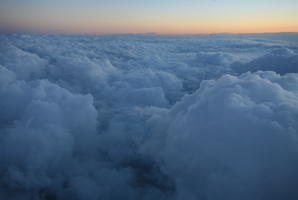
[(280, 60), (148, 117), (234, 138)]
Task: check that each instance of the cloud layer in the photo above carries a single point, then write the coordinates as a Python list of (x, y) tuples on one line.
[(148, 117)]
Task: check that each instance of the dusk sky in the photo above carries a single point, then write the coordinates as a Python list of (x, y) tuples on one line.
[(137, 16)]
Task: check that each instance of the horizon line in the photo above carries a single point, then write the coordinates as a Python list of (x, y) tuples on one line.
[(61, 32)]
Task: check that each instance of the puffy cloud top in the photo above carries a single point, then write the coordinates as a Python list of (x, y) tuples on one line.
[(148, 117)]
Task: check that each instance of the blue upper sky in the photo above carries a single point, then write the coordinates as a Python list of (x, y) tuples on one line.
[(137, 16)]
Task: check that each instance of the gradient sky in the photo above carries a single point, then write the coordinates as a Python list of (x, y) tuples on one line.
[(140, 16)]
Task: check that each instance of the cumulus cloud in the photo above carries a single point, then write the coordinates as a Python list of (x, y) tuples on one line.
[(148, 117), (280, 60), (234, 138), (24, 64)]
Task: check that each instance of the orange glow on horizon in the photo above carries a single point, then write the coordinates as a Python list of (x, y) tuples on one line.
[(162, 17), (196, 27), (159, 26)]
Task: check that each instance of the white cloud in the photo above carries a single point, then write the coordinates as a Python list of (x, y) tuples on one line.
[(234, 138), (148, 117)]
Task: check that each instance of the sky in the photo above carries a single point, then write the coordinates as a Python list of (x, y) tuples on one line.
[(140, 16)]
